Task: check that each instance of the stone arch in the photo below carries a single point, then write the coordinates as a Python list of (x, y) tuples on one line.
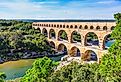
[(62, 48), (112, 28), (63, 26), (60, 26), (76, 26), (74, 52), (98, 27), (52, 44), (85, 27), (80, 27), (75, 37), (91, 39), (49, 25), (67, 26), (62, 35), (71, 26), (52, 34), (108, 41), (54, 25), (39, 29), (89, 55), (91, 27), (105, 28), (44, 31)]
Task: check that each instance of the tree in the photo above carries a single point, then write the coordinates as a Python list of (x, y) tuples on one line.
[(41, 69), (2, 76), (110, 66)]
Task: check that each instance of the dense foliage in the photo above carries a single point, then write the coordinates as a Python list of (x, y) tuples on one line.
[(19, 40), (2, 76), (110, 67), (40, 71)]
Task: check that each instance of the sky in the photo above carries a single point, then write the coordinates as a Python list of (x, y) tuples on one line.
[(59, 9)]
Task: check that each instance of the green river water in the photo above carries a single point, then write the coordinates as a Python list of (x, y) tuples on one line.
[(16, 69)]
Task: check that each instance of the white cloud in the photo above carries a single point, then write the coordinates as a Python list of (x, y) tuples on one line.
[(106, 2)]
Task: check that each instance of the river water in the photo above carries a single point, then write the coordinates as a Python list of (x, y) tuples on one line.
[(16, 69)]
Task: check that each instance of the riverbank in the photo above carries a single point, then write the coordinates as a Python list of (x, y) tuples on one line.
[(33, 56)]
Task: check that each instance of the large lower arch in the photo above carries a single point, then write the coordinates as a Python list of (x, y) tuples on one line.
[(62, 35), (62, 48), (91, 39), (44, 31), (52, 34), (89, 55), (74, 52), (75, 37), (107, 42), (52, 44)]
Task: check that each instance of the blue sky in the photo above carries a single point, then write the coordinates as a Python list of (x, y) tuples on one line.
[(59, 9)]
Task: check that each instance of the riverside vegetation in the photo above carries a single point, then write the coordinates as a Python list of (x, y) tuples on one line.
[(109, 70)]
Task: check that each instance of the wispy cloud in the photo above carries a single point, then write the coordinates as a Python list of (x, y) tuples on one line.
[(106, 2), (59, 9)]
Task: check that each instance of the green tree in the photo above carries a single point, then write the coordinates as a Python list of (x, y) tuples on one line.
[(41, 69), (2, 76), (110, 66)]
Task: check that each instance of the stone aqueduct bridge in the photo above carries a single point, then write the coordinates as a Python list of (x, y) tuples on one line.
[(100, 28)]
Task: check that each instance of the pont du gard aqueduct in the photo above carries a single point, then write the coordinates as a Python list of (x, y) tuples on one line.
[(100, 28)]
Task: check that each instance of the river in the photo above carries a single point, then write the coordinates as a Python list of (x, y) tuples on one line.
[(16, 69)]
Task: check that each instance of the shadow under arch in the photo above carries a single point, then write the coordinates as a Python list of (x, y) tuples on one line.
[(89, 55), (75, 37), (74, 52), (62, 49), (91, 39), (52, 34), (44, 32), (52, 44), (108, 41), (62, 35)]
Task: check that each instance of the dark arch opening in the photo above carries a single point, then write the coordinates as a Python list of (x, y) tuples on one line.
[(60, 26), (91, 27), (71, 26), (63, 26), (89, 55), (52, 34), (86, 27), (91, 39), (80, 27), (44, 32), (54, 25), (76, 26), (105, 28), (97, 28), (62, 49), (74, 52), (67, 26), (39, 30), (112, 28), (108, 41), (75, 37), (62, 35), (52, 44)]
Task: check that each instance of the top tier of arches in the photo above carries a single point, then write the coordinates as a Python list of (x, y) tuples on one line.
[(78, 26)]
